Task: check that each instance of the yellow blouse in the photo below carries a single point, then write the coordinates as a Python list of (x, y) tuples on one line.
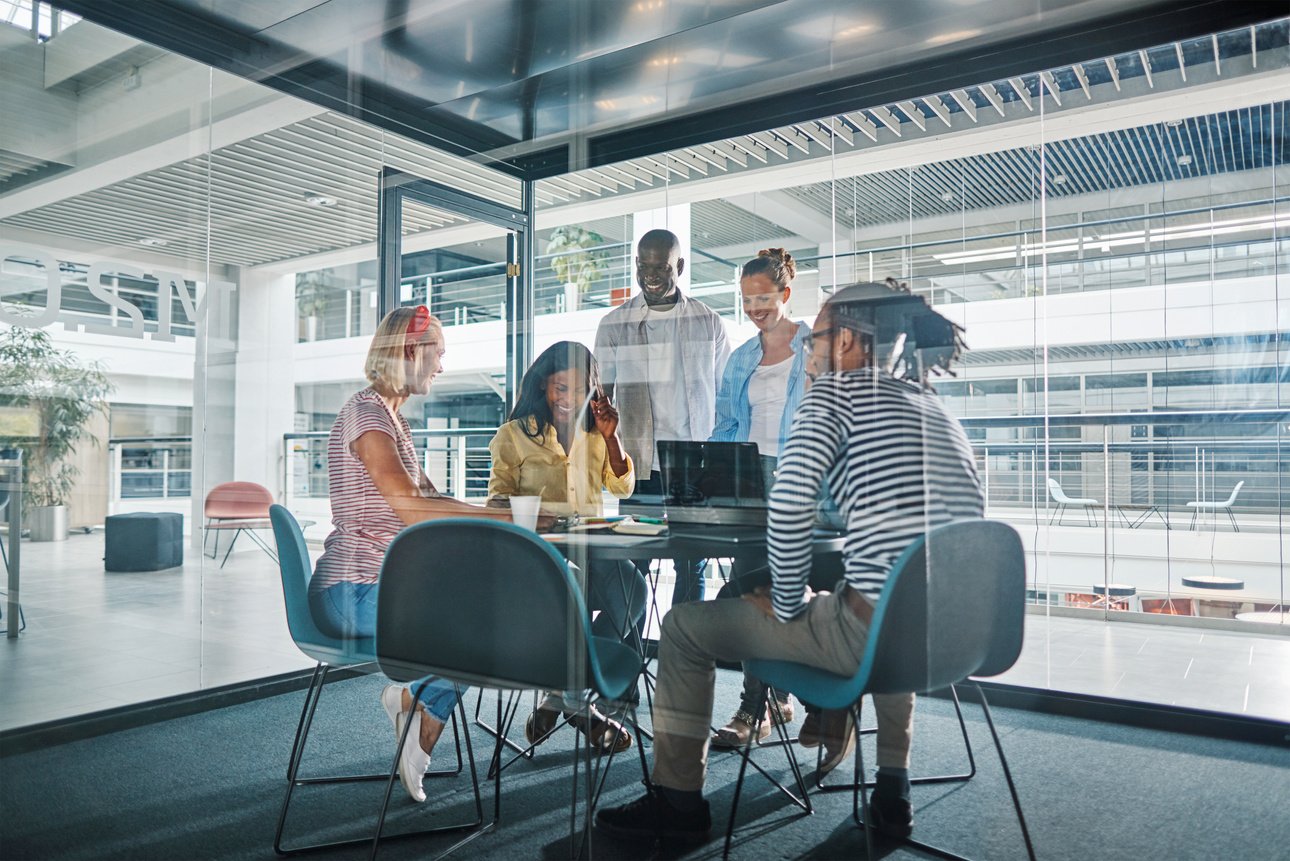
[(523, 466)]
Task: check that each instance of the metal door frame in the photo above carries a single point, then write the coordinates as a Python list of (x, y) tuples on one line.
[(396, 186)]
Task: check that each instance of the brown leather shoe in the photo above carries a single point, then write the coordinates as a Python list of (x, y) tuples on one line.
[(735, 734), (837, 736), (604, 732), (541, 723), (809, 733)]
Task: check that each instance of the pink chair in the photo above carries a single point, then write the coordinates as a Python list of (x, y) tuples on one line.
[(240, 506)]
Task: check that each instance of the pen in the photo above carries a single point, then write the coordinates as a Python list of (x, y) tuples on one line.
[(655, 520), (604, 519)]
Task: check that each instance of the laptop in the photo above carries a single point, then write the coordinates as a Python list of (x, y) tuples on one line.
[(712, 484)]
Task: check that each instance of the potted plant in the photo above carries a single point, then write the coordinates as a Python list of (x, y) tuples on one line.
[(311, 301), (51, 396), (577, 259)]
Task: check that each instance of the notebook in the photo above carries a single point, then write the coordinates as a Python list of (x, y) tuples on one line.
[(712, 484)]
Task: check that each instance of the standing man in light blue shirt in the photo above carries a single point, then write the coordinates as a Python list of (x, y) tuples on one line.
[(661, 355)]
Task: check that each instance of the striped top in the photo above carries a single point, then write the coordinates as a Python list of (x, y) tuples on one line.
[(896, 462), (364, 523)]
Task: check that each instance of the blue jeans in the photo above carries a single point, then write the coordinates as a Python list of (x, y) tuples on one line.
[(348, 610)]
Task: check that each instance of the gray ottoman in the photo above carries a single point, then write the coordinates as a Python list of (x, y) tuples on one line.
[(143, 541)]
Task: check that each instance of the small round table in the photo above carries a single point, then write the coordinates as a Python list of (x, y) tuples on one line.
[(1212, 582), (1265, 617)]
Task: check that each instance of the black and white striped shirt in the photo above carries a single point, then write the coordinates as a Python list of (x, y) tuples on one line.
[(896, 463)]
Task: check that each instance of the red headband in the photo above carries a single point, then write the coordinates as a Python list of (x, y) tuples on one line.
[(420, 322)]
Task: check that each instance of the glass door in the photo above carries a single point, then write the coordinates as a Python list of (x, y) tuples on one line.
[(463, 257)]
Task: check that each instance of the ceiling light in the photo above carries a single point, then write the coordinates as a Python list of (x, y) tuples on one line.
[(1060, 179), (947, 196), (322, 200), (1173, 124), (153, 242), (1183, 160), (854, 30), (956, 36)]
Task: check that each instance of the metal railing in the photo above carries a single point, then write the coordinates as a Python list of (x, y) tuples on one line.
[(457, 461), (150, 467)]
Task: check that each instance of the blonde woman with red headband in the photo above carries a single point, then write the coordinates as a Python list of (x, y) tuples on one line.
[(378, 488)]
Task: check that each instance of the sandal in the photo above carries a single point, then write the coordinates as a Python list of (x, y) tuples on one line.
[(599, 729), (542, 721), (735, 734)]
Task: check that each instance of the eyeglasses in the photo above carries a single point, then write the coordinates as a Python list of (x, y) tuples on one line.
[(808, 343)]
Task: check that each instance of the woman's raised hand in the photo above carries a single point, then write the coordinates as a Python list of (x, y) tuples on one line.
[(605, 415)]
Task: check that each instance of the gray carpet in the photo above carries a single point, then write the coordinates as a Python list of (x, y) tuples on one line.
[(209, 787)]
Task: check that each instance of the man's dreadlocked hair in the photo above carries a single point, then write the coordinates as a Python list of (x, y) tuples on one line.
[(901, 330)]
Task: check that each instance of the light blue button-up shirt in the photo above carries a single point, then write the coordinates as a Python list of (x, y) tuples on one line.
[(734, 412)]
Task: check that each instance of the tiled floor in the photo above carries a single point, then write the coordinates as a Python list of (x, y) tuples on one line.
[(97, 640)]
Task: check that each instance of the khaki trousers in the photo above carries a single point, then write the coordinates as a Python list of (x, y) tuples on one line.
[(826, 635)]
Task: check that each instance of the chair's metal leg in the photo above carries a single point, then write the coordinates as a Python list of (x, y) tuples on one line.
[(1192, 526), (319, 668), (478, 825), (860, 795), (1060, 513), (1007, 773), (231, 544), (930, 778), (743, 768), (497, 731), (1232, 518), (297, 752)]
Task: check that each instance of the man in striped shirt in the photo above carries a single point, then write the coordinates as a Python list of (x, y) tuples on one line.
[(898, 465)]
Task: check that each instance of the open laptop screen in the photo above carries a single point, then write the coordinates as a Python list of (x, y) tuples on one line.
[(711, 474)]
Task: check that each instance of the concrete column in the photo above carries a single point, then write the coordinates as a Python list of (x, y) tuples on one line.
[(265, 378)]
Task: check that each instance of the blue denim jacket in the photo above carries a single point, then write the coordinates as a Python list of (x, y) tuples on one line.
[(734, 414)]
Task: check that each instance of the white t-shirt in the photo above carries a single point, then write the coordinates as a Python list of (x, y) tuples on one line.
[(767, 393), (666, 388)]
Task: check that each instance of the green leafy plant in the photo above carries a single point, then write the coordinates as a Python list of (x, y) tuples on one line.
[(58, 394), (577, 256), (311, 294)]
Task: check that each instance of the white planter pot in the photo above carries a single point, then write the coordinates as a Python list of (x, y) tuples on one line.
[(48, 523), (571, 297)]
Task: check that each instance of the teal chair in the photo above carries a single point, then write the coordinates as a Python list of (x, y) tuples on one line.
[(953, 607), (329, 652), (492, 605)]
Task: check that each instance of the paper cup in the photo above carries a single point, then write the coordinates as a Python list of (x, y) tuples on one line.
[(524, 511)]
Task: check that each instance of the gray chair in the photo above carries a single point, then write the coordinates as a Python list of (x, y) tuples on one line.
[(489, 604), (1215, 506), (1063, 502), (953, 607)]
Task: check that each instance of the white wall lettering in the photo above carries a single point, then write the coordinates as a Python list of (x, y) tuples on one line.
[(195, 304)]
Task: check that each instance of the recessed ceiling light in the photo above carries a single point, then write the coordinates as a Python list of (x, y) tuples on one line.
[(322, 200), (153, 242), (1183, 160), (1173, 124), (956, 36), (1059, 179), (947, 196)]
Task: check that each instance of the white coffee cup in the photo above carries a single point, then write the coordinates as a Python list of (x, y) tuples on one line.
[(524, 511)]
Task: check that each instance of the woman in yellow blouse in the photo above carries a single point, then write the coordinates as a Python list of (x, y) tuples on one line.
[(562, 444)]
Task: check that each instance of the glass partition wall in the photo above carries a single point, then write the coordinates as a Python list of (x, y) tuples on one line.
[(1110, 235)]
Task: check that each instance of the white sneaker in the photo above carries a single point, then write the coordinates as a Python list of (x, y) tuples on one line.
[(413, 761), (392, 701)]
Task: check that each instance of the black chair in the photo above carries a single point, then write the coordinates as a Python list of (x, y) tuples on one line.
[(953, 607), (510, 617), (329, 652)]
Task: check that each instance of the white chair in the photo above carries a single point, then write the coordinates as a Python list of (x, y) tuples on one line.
[(1063, 502), (1226, 505)]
